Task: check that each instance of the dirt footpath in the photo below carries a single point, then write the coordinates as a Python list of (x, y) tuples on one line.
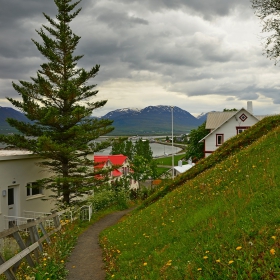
[(85, 262)]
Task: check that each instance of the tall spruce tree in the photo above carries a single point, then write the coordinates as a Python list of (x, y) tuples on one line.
[(58, 103)]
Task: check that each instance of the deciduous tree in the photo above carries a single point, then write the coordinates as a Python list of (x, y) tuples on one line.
[(269, 13), (195, 149)]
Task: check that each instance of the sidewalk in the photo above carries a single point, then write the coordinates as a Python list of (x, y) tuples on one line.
[(85, 262)]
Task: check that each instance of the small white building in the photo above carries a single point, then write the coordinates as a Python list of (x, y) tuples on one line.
[(18, 170), (224, 125), (181, 168)]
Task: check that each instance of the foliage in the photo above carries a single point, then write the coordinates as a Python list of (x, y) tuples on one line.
[(221, 224), (195, 149), (58, 102), (268, 12), (140, 155), (230, 110), (230, 147)]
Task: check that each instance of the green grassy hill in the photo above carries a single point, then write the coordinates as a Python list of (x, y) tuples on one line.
[(220, 220)]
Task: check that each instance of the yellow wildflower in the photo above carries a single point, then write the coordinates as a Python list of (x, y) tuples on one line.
[(238, 248), (205, 257), (272, 251), (144, 263), (230, 262), (273, 237), (218, 261), (199, 269)]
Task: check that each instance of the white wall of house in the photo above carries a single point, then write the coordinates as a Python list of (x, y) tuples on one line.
[(16, 171), (228, 130)]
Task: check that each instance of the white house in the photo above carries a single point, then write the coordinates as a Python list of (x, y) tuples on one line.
[(116, 160), (18, 170), (224, 125)]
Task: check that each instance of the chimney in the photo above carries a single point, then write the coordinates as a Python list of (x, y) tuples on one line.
[(250, 107)]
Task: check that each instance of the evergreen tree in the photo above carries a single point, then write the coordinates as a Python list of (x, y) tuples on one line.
[(58, 103)]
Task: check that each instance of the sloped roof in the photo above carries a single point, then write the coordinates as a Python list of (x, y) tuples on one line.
[(183, 168), (117, 159), (116, 173), (224, 119), (216, 119), (101, 160), (114, 159)]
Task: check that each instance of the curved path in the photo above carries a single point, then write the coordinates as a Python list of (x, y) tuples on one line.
[(85, 262)]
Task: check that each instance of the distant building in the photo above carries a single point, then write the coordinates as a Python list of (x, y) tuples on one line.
[(181, 168), (224, 125), (116, 160)]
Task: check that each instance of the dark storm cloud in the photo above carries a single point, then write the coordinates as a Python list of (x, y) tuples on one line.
[(208, 9), (177, 45), (119, 19)]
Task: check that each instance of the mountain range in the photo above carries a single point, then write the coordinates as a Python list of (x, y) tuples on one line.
[(151, 120)]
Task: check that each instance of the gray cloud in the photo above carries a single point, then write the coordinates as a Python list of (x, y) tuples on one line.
[(185, 49), (208, 9), (118, 20)]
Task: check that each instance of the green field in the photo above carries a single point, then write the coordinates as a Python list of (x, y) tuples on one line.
[(219, 220), (168, 160)]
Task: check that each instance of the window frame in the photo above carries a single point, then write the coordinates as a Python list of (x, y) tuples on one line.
[(33, 190), (243, 128), (219, 143)]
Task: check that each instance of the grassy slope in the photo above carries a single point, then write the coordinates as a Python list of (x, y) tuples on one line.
[(195, 231), (230, 147)]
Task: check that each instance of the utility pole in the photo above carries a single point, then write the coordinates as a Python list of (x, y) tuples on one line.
[(172, 107)]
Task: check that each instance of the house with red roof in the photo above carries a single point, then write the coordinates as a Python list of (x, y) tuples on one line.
[(122, 167)]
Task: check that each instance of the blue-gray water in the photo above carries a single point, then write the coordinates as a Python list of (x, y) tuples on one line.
[(157, 149)]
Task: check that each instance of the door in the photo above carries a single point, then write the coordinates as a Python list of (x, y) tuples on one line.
[(12, 207)]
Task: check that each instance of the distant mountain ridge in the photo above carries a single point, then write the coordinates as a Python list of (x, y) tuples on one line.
[(7, 112), (130, 121), (152, 120)]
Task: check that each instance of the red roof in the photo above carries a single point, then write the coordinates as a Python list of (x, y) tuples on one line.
[(114, 159)]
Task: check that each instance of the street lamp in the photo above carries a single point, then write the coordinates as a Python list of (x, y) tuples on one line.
[(172, 107)]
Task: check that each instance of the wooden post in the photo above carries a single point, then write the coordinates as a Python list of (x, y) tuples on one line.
[(56, 221), (33, 238), (8, 273), (22, 246), (44, 232)]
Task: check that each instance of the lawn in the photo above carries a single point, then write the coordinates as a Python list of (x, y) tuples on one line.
[(168, 160), (221, 224)]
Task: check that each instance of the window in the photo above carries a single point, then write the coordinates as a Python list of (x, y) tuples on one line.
[(33, 189), (219, 139), (240, 129), (11, 197)]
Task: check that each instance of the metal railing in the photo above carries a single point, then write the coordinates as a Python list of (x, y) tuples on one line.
[(11, 221), (86, 212)]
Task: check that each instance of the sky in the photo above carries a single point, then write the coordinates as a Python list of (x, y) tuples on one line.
[(198, 55)]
